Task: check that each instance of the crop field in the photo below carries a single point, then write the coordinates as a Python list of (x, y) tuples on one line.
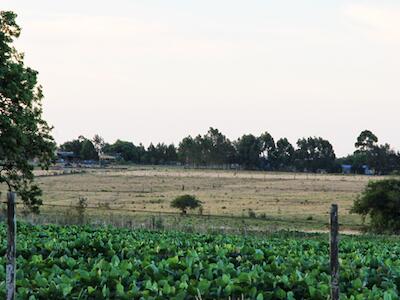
[(72, 262)]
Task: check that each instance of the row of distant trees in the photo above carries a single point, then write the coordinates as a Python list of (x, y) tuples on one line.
[(310, 154)]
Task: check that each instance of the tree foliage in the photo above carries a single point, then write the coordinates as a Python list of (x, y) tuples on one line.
[(82, 148), (283, 155), (88, 151), (381, 202), (366, 141), (214, 149), (382, 159), (314, 153), (98, 143), (24, 135), (185, 202), (249, 148)]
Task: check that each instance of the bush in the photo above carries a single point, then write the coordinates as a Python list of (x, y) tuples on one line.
[(381, 202), (252, 213), (186, 202), (263, 216)]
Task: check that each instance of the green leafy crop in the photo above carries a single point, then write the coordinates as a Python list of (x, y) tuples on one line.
[(87, 263)]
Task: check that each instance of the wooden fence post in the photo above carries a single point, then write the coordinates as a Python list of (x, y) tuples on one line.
[(334, 252), (11, 246)]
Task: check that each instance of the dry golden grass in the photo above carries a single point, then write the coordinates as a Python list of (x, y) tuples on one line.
[(286, 195), (297, 199)]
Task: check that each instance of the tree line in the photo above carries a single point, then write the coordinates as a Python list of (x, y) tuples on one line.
[(311, 154)]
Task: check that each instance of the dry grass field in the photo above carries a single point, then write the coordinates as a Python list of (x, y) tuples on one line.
[(293, 200)]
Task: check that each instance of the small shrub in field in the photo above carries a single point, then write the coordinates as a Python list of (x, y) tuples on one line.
[(185, 202), (252, 213)]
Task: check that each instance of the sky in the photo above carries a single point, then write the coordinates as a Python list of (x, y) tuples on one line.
[(157, 71)]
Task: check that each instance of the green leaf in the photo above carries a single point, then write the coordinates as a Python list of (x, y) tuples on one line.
[(167, 289), (203, 286), (40, 280), (259, 255), (244, 278), (280, 294), (226, 279), (387, 296), (105, 291), (312, 290), (120, 289), (183, 285), (91, 290), (173, 260), (115, 261), (357, 283), (66, 289)]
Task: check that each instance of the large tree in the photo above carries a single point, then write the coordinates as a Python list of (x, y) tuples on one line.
[(88, 151), (267, 150), (217, 148), (74, 146), (382, 158), (366, 148), (366, 141), (283, 155), (315, 153), (190, 150), (24, 136), (127, 151), (248, 149), (170, 154), (98, 143)]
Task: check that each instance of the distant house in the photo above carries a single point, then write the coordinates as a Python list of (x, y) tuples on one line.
[(367, 170), (106, 159), (346, 169), (65, 156)]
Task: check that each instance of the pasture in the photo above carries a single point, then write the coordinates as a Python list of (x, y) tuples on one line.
[(261, 199)]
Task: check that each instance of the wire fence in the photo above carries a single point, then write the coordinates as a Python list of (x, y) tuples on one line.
[(147, 219)]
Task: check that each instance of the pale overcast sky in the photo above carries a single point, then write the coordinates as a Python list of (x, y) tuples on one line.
[(160, 70)]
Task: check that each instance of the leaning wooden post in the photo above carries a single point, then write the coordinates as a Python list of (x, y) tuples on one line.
[(11, 246), (334, 252)]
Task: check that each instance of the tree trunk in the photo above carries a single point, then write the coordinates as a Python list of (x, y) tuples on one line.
[(11, 246)]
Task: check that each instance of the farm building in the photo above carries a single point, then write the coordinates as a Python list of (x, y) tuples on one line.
[(66, 156), (346, 169), (106, 159)]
